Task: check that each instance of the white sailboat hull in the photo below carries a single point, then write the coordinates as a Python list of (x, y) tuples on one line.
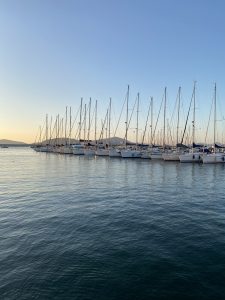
[(146, 155), (67, 150), (78, 149), (131, 153), (171, 156), (114, 153), (190, 157), (156, 155), (89, 152), (41, 149), (102, 152), (57, 149), (213, 158)]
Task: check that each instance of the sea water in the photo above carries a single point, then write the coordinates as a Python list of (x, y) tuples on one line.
[(109, 228)]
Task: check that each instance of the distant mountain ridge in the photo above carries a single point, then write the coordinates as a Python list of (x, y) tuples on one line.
[(112, 141), (10, 142)]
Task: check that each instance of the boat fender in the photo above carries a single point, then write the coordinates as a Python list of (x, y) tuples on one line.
[(193, 157)]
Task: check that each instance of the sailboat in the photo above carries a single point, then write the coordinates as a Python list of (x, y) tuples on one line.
[(132, 152), (102, 149), (78, 149), (89, 149), (43, 146), (115, 151), (173, 155), (193, 155), (112, 151), (67, 149), (146, 153), (156, 152), (214, 157)]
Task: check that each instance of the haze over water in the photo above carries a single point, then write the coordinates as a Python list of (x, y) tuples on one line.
[(99, 228)]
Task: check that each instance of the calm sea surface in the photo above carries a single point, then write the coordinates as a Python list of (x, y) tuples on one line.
[(99, 228)]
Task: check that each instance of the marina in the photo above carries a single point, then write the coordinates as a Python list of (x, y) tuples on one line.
[(112, 150), (122, 147)]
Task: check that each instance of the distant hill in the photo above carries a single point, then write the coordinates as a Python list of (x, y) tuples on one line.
[(9, 142), (58, 141), (113, 141)]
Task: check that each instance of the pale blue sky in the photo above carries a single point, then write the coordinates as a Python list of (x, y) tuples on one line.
[(54, 52)]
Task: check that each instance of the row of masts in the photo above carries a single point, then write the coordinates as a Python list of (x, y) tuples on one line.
[(63, 127), (85, 147)]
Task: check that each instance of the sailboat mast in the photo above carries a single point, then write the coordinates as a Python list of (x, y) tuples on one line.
[(106, 123), (61, 131), (66, 127), (193, 123), (178, 114), (164, 123), (58, 131), (46, 130), (70, 126), (81, 102), (137, 120), (85, 116), (50, 131), (96, 122), (151, 121), (56, 128), (127, 116), (89, 120), (214, 134), (110, 107)]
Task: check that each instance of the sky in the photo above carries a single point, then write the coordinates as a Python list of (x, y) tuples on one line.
[(53, 53)]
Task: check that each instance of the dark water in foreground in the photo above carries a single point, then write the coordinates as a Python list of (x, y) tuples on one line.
[(84, 228)]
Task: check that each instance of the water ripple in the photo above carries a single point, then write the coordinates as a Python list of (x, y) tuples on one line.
[(78, 228)]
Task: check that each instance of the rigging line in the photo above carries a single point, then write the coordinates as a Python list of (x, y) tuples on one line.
[(48, 128), (113, 118), (206, 134), (54, 130), (120, 115), (75, 121), (92, 118), (77, 133), (146, 122), (185, 127), (51, 131), (170, 133), (103, 125), (41, 133), (131, 114), (153, 137), (174, 109), (171, 123), (220, 110)]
